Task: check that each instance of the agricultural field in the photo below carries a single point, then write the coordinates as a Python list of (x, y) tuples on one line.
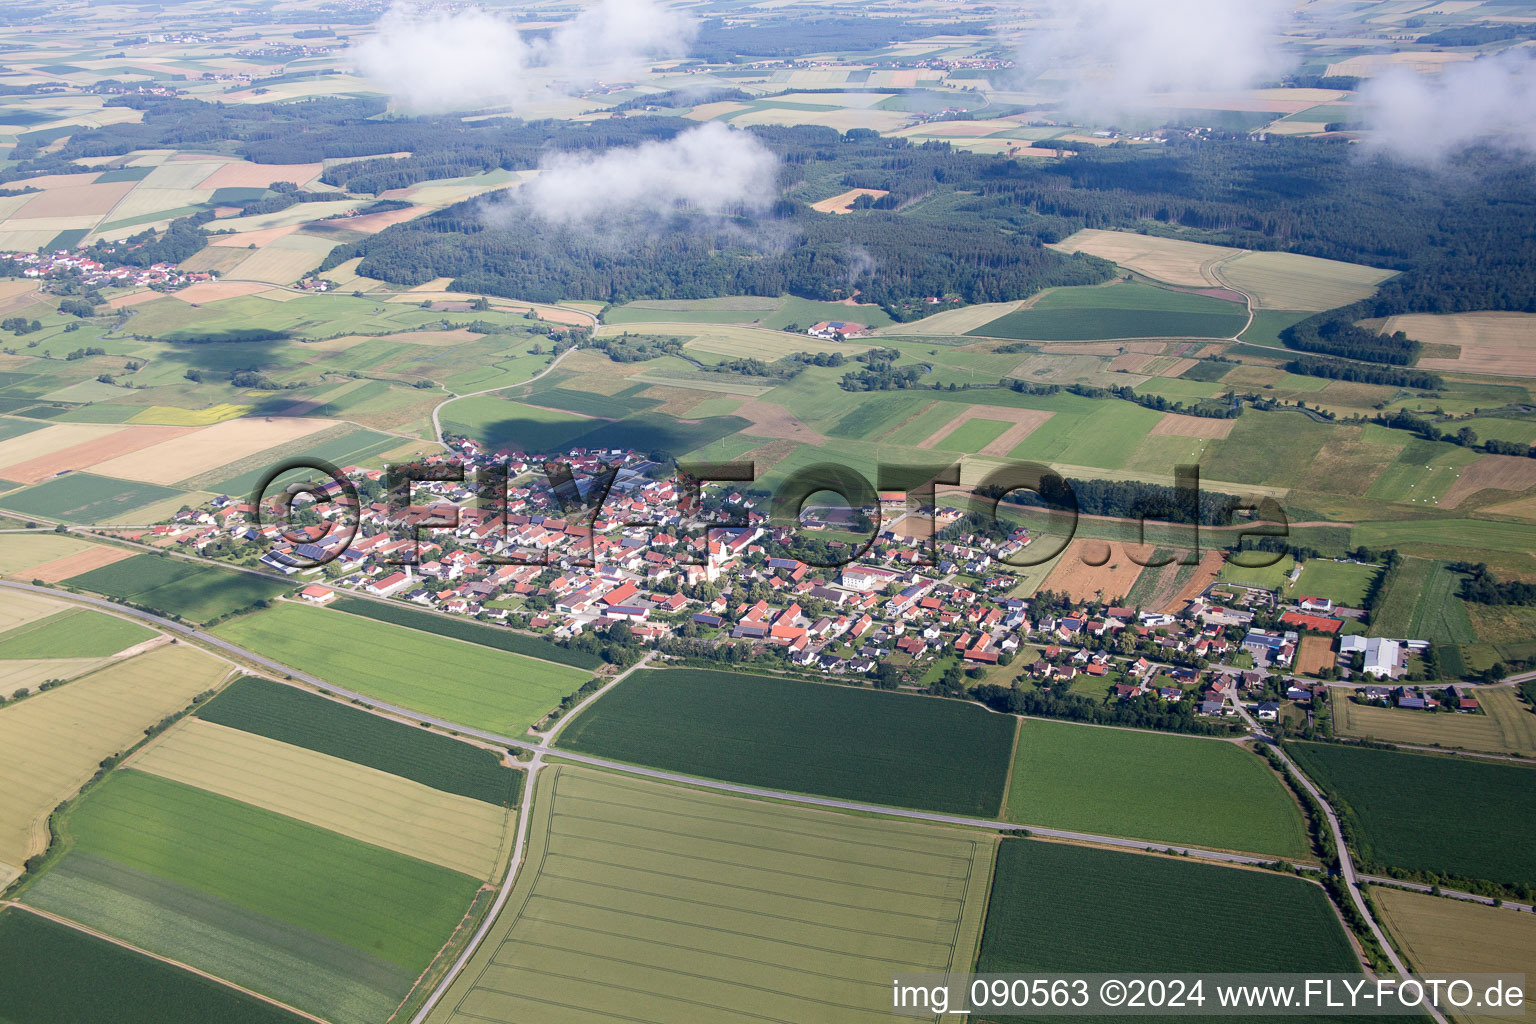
[(1498, 344), (86, 498), (1283, 280), (830, 740), (52, 742), (1506, 726), (176, 586), (304, 719), (1151, 914), (1118, 311), (1473, 819), (321, 921), (663, 900), (332, 793), (460, 628), (72, 633), (1170, 260), (1091, 779), (461, 682), (1420, 602), (56, 974), (1315, 655), (1109, 580), (1445, 936)]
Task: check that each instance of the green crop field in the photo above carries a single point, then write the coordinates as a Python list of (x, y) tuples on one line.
[(1459, 817), (818, 738), (1345, 583), (85, 498), (1085, 432), (1118, 311), (671, 904), (973, 435), (1128, 783), (57, 975), (75, 633), (307, 720), (462, 682), (245, 894), (175, 586), (1067, 909), (1420, 603), (464, 629)]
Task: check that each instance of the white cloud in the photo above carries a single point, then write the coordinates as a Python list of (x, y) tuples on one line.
[(710, 169), (1425, 119), (1117, 53), (435, 61)]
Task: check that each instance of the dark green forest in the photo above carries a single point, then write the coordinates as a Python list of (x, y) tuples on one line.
[(955, 223)]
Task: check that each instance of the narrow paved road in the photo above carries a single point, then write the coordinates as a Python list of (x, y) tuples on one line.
[(1346, 861), (1455, 894)]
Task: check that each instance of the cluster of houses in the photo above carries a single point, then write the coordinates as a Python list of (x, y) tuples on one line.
[(837, 330), (544, 561), (96, 274)]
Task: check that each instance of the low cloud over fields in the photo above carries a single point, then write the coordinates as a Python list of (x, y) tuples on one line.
[(438, 61), (1117, 53), (1425, 119), (709, 170)]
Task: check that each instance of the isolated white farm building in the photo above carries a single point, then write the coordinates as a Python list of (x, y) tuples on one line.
[(837, 328), (1380, 654)]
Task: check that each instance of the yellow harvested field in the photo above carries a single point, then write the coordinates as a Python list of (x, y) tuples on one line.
[(293, 216), (951, 322), (17, 608), (63, 568), (1174, 425), (246, 239), (142, 202), (20, 553), (962, 129), (61, 181), (24, 239), (844, 203), (280, 263), (209, 448), (1289, 127), (54, 438), (1314, 655), (242, 174), (212, 291), (1109, 581), (372, 223), (1421, 62), (1506, 725), (842, 120), (352, 799), (87, 454), (51, 744), (1170, 260), (1523, 509), (1444, 936), (134, 298), (1285, 280), (183, 175), (1025, 422), (725, 340), (1503, 344), (76, 201), (710, 111)]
